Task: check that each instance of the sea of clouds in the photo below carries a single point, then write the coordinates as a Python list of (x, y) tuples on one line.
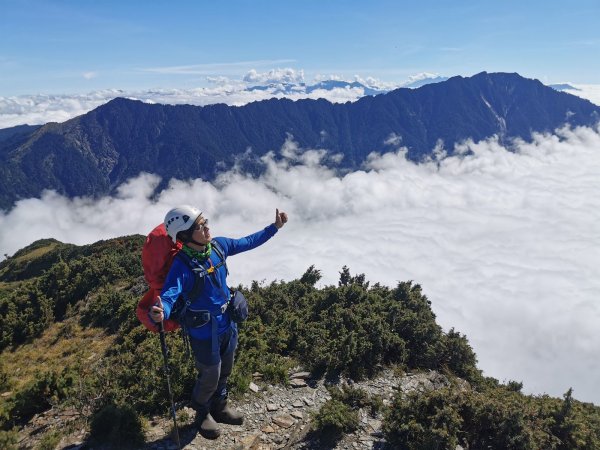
[(505, 242)]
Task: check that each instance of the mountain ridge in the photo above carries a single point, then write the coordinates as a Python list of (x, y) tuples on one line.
[(92, 154), (68, 326)]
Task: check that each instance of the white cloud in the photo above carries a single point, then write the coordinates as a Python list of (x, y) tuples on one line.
[(273, 76), (376, 83), (89, 75), (505, 244), (212, 68), (590, 92), (40, 109), (421, 79)]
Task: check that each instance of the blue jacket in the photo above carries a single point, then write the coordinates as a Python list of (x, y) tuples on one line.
[(180, 280)]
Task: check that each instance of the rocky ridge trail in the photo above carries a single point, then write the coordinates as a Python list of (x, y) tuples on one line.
[(276, 417)]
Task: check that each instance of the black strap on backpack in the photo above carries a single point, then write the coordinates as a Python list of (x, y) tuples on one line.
[(201, 271)]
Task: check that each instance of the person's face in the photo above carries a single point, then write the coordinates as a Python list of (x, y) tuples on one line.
[(202, 232)]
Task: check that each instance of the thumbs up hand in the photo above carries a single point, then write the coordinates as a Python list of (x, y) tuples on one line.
[(280, 218)]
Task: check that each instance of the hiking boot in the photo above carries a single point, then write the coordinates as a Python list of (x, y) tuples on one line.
[(223, 413), (207, 427)]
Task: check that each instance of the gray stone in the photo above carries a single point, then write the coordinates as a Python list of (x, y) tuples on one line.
[(375, 424), (268, 429), (297, 383), (284, 421), (272, 407), (253, 387), (278, 439), (247, 442), (297, 415), (303, 375)]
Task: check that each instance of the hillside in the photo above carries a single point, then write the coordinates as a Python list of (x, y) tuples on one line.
[(98, 151), (71, 345)]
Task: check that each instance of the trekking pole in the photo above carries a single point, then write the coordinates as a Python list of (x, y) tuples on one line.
[(165, 352)]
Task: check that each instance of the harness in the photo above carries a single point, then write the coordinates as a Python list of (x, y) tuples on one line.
[(201, 272)]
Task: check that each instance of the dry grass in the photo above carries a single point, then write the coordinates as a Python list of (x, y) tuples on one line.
[(37, 253), (61, 345)]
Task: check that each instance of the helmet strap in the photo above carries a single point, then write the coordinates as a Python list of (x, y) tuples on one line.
[(193, 241)]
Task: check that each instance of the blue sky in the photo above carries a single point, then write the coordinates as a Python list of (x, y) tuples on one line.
[(79, 46)]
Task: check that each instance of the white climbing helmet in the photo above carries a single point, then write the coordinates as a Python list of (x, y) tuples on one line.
[(179, 219)]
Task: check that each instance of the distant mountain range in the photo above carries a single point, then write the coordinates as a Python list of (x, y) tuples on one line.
[(94, 153), (303, 88), (563, 87)]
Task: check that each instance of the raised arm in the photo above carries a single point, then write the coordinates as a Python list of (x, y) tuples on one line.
[(235, 246)]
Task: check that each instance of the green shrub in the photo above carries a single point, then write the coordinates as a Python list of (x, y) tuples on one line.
[(334, 419), (9, 439), (37, 396), (49, 441), (239, 380), (58, 279), (424, 421), (376, 405), (497, 417), (4, 379), (118, 426), (355, 398), (374, 326)]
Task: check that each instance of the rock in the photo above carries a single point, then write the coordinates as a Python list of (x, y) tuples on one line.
[(303, 375), (297, 383), (308, 401), (297, 415), (284, 421), (297, 404), (268, 429), (253, 387), (272, 407), (375, 425), (278, 439), (249, 442)]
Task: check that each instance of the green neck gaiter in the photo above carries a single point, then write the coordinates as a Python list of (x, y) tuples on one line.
[(200, 256)]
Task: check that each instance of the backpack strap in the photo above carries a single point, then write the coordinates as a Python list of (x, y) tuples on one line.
[(220, 254), (194, 266)]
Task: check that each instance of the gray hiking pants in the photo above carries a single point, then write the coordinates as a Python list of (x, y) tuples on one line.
[(213, 369)]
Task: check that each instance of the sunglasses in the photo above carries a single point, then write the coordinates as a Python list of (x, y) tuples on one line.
[(200, 226)]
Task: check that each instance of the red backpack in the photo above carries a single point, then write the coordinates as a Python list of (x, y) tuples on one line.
[(158, 254)]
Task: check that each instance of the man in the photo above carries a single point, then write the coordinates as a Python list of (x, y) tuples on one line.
[(198, 278)]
